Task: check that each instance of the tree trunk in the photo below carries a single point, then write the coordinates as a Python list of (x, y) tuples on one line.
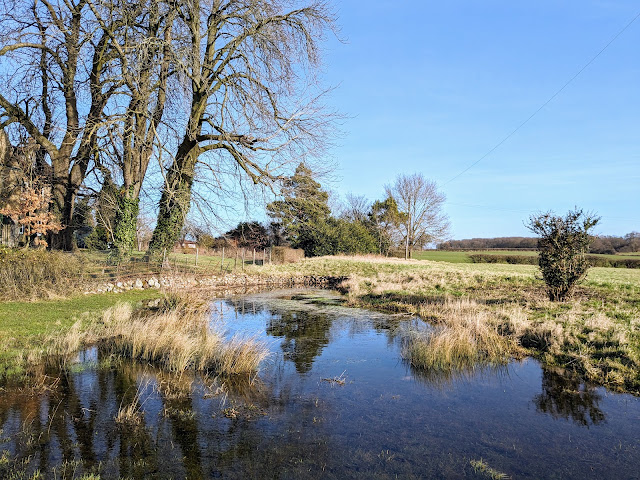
[(175, 201), (64, 198), (124, 230)]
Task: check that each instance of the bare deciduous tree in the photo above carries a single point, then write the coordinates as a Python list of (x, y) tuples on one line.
[(248, 69), (57, 84), (355, 208), (421, 203), (142, 40)]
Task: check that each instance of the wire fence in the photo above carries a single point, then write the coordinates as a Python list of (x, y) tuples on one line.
[(193, 261)]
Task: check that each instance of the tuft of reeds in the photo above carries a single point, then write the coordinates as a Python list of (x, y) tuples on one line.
[(131, 415), (480, 466), (178, 338), (465, 337)]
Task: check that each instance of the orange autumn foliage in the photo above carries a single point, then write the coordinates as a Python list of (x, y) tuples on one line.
[(31, 210)]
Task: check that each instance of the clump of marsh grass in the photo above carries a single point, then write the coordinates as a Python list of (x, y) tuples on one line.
[(131, 414), (464, 338), (339, 380), (62, 347), (480, 466), (178, 338)]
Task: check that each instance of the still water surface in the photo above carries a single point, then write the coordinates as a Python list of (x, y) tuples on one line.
[(334, 400)]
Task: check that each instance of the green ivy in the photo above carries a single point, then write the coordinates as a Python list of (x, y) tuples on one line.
[(174, 207), (124, 231)]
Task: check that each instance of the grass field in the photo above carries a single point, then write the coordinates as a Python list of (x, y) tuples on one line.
[(463, 256)]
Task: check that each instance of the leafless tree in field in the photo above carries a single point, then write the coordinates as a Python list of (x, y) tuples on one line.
[(421, 203), (251, 101)]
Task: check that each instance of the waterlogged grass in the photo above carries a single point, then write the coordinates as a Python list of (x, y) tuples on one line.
[(487, 313), (27, 328), (482, 467), (177, 337)]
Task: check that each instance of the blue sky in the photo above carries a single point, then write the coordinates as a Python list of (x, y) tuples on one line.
[(432, 86)]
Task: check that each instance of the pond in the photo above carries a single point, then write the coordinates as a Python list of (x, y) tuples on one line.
[(334, 400)]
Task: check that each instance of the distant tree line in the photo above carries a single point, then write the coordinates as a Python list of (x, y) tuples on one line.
[(610, 244), (599, 244)]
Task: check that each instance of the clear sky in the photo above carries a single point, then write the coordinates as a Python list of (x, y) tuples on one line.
[(432, 86)]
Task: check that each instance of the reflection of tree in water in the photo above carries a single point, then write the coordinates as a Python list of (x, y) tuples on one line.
[(565, 395), (136, 447), (184, 433), (304, 334)]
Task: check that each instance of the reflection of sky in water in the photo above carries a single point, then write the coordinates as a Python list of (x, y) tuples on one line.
[(385, 421)]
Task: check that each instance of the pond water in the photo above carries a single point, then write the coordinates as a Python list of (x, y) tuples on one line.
[(334, 400)]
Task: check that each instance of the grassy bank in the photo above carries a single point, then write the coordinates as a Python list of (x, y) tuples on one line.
[(175, 336), (28, 274), (491, 312), (27, 329)]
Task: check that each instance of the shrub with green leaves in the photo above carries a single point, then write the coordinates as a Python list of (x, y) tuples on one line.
[(562, 247)]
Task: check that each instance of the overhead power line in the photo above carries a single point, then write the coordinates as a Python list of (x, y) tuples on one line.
[(558, 92)]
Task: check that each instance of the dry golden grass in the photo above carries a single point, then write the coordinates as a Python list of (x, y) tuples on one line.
[(464, 338), (178, 338), (27, 274)]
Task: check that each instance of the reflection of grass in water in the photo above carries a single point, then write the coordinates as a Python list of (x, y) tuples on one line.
[(480, 466), (445, 378), (132, 415)]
